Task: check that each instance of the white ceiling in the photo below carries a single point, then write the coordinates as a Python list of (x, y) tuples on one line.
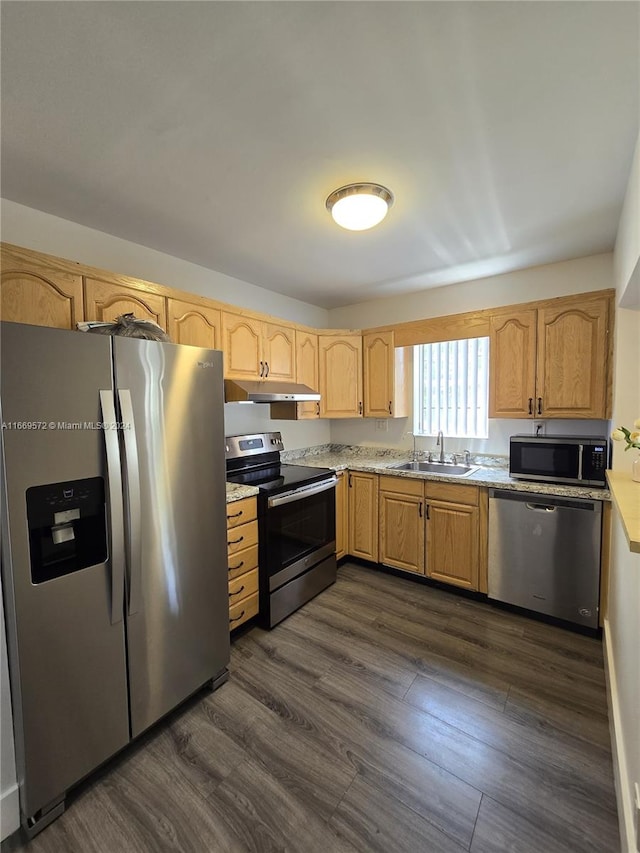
[(214, 131)]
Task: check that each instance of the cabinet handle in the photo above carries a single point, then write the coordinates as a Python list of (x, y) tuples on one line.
[(420, 509), (426, 509), (360, 407), (530, 405), (349, 480), (539, 405), (266, 364), (237, 618), (236, 514), (234, 541), (239, 566), (318, 408), (390, 408), (237, 592), (261, 369)]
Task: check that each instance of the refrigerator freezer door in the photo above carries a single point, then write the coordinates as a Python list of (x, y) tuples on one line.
[(177, 589), (68, 665)]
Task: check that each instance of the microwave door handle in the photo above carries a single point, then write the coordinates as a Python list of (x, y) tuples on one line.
[(580, 453), (132, 467), (116, 514), (299, 494)]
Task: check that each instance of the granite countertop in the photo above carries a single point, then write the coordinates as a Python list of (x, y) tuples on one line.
[(236, 492), (380, 461)]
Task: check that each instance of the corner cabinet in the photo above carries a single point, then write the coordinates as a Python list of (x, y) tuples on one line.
[(551, 362), (193, 324), (257, 350), (340, 376), (452, 523), (402, 527), (363, 515), (386, 385), (39, 294)]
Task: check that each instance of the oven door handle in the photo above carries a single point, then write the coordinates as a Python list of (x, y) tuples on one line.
[(305, 492)]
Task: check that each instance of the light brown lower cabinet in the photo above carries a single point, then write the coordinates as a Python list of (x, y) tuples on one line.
[(402, 527), (342, 515), (242, 550), (452, 523), (363, 515)]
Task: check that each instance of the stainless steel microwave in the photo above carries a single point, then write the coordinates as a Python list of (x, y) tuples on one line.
[(571, 459)]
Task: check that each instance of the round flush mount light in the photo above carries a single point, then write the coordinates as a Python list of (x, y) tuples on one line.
[(358, 207)]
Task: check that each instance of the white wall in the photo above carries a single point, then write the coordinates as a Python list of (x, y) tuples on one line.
[(622, 628), (562, 279)]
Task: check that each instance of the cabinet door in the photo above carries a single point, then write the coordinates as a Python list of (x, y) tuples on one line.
[(402, 531), (279, 352), (307, 372), (572, 360), (105, 301), (378, 359), (340, 374), (196, 325), (342, 515), (452, 543), (512, 365), (242, 345), (363, 515), (39, 296)]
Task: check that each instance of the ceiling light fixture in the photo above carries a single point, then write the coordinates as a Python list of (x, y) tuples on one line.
[(359, 206)]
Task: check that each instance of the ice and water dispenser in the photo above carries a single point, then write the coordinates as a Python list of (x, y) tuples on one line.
[(67, 527)]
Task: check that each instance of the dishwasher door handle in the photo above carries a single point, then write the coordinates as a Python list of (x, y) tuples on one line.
[(541, 507)]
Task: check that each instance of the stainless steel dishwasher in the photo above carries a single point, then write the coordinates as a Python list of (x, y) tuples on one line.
[(544, 554)]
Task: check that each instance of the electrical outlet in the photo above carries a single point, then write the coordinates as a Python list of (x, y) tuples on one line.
[(538, 427), (382, 424)]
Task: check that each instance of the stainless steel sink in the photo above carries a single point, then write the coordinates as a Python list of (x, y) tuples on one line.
[(437, 468)]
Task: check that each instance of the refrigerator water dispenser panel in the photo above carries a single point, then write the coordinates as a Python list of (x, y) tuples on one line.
[(67, 527)]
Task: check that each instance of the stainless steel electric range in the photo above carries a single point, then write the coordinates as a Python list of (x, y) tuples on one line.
[(296, 523)]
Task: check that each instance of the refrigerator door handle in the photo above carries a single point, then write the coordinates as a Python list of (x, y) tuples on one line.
[(134, 544), (116, 516)]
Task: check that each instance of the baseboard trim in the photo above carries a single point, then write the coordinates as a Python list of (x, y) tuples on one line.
[(624, 795), (9, 812)]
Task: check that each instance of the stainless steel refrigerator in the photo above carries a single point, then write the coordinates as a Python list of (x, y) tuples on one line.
[(113, 548)]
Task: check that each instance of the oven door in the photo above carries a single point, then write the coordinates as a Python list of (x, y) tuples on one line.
[(298, 530), (546, 461)]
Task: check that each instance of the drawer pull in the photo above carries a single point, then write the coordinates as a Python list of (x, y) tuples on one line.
[(235, 541), (236, 514), (237, 592), (239, 566), (237, 618)]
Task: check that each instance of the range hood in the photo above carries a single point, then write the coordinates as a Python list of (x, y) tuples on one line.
[(245, 391)]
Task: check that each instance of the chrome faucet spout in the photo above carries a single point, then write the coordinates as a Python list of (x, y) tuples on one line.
[(440, 444)]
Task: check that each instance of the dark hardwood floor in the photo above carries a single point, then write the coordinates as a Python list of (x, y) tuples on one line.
[(383, 716)]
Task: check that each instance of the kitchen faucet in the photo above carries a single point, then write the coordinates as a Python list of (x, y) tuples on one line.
[(440, 444)]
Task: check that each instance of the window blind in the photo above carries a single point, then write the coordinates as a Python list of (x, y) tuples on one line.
[(452, 388)]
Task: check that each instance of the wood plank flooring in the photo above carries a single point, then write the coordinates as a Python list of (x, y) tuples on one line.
[(383, 716)]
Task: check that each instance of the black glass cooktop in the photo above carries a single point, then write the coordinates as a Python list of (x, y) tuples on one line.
[(279, 477)]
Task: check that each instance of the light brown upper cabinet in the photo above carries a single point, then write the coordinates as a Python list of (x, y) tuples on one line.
[(307, 372), (340, 375), (104, 301), (38, 294), (196, 325), (550, 362), (257, 350), (386, 380)]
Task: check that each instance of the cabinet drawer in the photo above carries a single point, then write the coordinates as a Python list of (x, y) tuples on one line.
[(243, 610), (241, 537), (452, 493), (243, 586), (239, 512), (403, 485), (243, 561)]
